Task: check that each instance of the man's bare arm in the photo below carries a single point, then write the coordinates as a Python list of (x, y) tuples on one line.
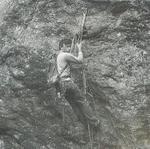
[(71, 58)]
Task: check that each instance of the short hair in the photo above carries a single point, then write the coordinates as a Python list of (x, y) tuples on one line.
[(64, 41)]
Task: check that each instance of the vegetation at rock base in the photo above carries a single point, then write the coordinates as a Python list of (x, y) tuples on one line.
[(117, 54)]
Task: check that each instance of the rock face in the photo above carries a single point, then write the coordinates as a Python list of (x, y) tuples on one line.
[(117, 54)]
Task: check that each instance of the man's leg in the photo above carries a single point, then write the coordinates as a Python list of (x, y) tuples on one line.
[(70, 97), (86, 109), (77, 100)]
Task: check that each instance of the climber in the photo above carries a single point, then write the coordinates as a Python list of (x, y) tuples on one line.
[(69, 89)]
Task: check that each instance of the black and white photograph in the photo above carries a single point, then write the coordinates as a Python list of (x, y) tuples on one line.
[(74, 74)]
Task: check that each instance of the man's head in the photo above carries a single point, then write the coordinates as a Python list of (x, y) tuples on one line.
[(65, 45)]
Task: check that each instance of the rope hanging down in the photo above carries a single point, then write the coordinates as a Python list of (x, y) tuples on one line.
[(78, 38)]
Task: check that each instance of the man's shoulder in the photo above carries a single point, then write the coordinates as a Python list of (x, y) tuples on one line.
[(64, 54)]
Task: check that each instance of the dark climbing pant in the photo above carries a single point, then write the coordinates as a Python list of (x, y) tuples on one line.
[(76, 99)]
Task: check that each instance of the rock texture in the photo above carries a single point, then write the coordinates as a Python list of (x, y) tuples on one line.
[(117, 54)]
